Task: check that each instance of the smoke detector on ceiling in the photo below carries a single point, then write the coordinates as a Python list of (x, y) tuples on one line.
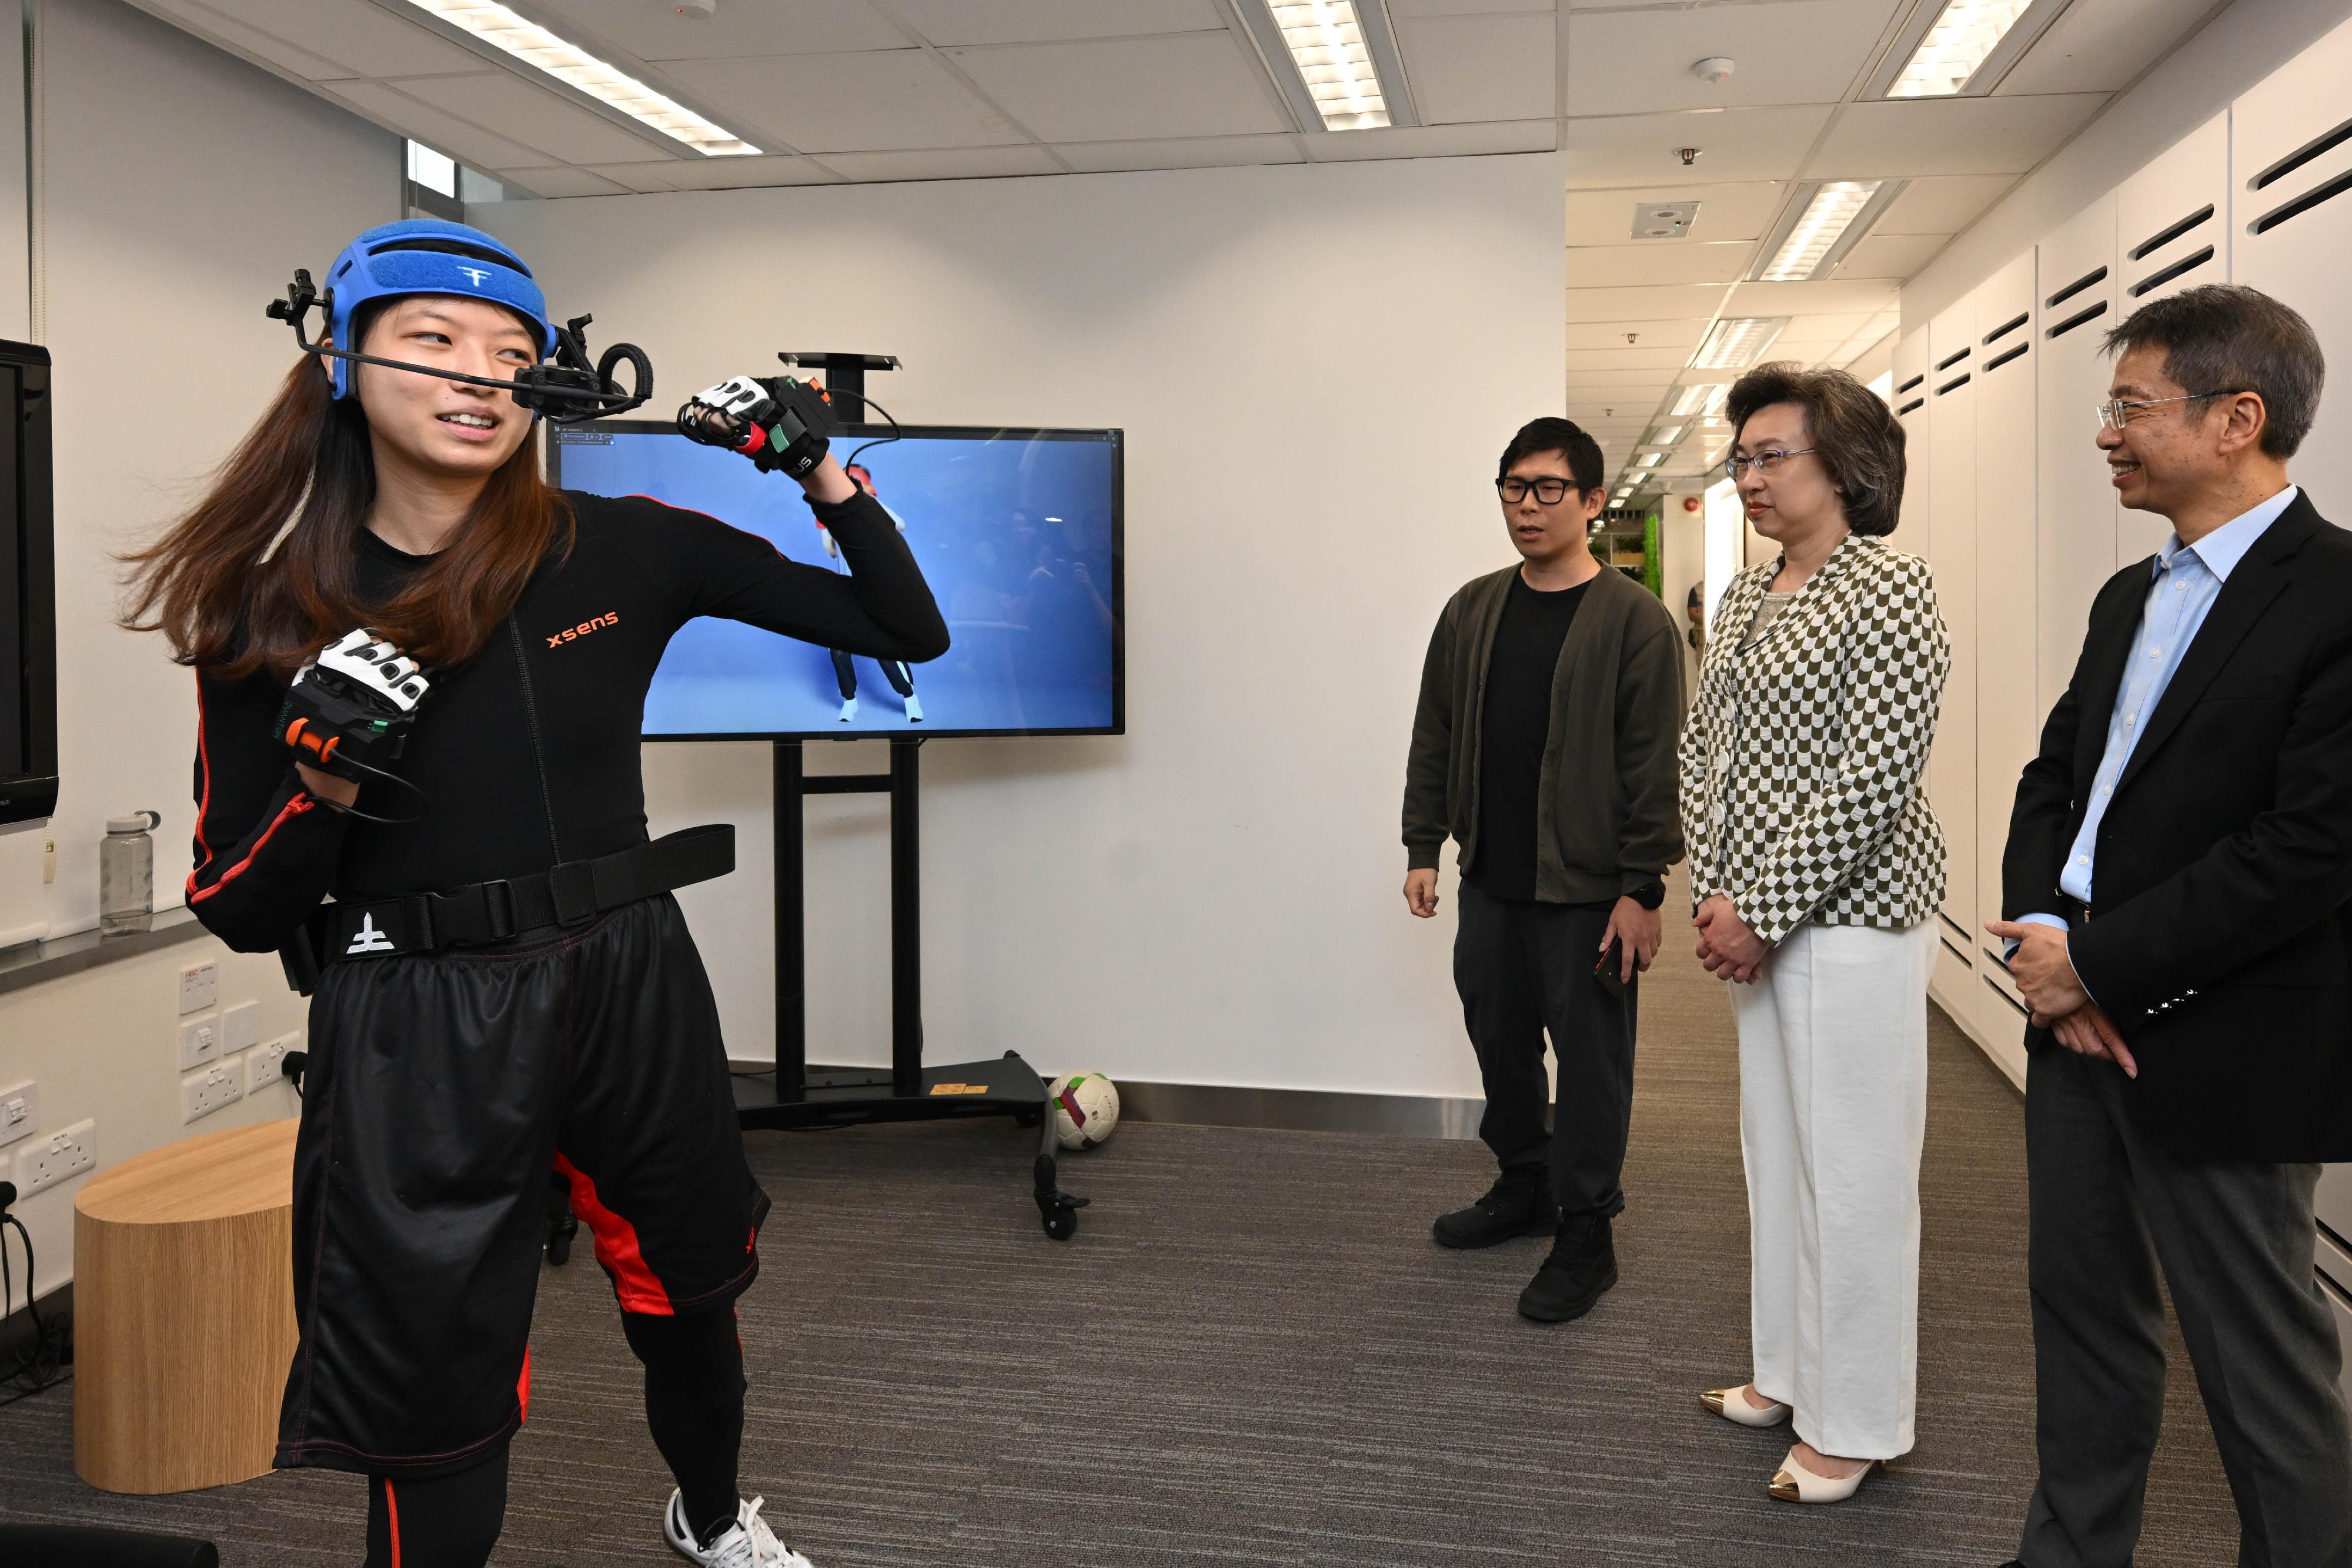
[(1715, 68)]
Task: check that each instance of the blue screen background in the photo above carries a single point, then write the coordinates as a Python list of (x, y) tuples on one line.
[(1016, 535)]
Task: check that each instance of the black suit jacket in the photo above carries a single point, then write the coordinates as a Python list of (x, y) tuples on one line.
[(2221, 941)]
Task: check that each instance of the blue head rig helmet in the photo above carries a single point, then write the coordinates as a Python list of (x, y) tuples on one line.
[(429, 256)]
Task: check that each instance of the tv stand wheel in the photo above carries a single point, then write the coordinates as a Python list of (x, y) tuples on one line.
[(1062, 1219)]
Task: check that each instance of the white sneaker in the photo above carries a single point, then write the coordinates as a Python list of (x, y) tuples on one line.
[(745, 1543)]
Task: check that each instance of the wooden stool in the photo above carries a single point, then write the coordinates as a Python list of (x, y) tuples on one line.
[(183, 1311)]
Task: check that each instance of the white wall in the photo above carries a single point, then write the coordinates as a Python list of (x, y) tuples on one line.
[(181, 188), (1316, 368)]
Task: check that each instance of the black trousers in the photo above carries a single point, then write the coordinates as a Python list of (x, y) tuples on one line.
[(2233, 1240), (1525, 969)]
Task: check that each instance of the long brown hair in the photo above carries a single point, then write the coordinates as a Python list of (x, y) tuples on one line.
[(231, 604)]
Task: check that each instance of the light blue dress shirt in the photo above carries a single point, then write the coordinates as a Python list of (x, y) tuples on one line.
[(2186, 581)]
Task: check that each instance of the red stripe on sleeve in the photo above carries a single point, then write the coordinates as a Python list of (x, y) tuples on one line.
[(294, 807), (205, 798)]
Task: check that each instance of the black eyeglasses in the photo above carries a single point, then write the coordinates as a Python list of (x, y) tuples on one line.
[(1551, 492)]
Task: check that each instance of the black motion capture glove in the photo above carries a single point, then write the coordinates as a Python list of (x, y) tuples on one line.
[(349, 710), (775, 421)]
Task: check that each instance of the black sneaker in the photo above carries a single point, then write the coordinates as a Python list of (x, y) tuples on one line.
[(1582, 1266), (1512, 1206)]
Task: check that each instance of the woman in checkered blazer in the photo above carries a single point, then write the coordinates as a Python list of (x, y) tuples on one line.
[(1817, 869)]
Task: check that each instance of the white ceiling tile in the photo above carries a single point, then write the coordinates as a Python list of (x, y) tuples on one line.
[(1891, 255), (1633, 386), (1682, 334), (745, 174), (1943, 206), (902, 99), (1735, 146), (943, 163), (1480, 68), (1950, 136), (1399, 10), (239, 39), (1433, 141), (363, 38), (534, 116), (1828, 327), (1725, 212), (2102, 45), (947, 22), (1830, 295), (1642, 304), (1190, 152), (1626, 265), (470, 144), (652, 30), (1802, 51), (1647, 360), (644, 178), (563, 181), (1186, 84)]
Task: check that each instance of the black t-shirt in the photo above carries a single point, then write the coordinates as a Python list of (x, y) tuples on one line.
[(528, 753), (1512, 731)]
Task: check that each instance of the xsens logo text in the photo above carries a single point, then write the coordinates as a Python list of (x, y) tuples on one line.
[(573, 634)]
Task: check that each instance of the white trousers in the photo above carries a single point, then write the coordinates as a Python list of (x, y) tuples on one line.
[(1832, 1112)]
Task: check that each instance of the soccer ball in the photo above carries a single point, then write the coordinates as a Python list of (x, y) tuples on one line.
[(1086, 1109)]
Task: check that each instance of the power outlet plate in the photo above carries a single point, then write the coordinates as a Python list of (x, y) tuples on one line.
[(201, 1093), (240, 1028), (58, 1157), (20, 1111), (266, 1064), (199, 987), (200, 1042)]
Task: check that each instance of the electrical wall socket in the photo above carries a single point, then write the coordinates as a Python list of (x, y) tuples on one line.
[(20, 1112), (199, 987), (201, 1093), (240, 1028), (266, 1064), (200, 1042), (49, 1161)]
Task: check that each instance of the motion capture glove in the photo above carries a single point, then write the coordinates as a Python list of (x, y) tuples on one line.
[(349, 710), (775, 421)]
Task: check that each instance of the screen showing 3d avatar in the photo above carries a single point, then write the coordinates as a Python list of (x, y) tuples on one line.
[(1017, 531)]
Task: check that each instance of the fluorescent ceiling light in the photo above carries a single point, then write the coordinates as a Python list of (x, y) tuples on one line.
[(1961, 40), (1668, 434), (1326, 40), (1706, 397), (1738, 342), (1649, 459), (1826, 218), (575, 67)]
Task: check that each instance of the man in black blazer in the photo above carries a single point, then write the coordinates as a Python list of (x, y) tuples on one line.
[(2177, 896)]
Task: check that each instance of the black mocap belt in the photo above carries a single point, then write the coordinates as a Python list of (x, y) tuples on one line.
[(571, 893)]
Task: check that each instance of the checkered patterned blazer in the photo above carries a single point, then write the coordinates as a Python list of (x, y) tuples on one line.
[(1803, 753)]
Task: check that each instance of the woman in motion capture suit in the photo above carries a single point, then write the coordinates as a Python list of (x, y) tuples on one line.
[(504, 984)]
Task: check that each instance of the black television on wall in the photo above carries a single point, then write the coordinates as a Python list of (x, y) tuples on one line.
[(1018, 531), (28, 611)]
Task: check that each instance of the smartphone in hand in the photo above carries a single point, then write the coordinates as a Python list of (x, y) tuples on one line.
[(1611, 970)]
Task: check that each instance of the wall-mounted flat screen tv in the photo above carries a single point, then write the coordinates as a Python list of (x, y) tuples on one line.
[(28, 616), (1019, 533)]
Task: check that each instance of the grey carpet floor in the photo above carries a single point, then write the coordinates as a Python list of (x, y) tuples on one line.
[(1251, 1353)]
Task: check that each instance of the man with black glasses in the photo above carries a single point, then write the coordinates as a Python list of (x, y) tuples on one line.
[(1544, 746)]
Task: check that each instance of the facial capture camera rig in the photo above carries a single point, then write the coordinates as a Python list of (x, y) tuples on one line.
[(570, 390)]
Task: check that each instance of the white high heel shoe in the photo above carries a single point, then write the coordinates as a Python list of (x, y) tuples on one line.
[(1731, 1404), (1793, 1482)]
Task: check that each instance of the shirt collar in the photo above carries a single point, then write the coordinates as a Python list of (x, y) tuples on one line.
[(2220, 551)]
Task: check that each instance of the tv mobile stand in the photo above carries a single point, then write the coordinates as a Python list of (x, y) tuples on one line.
[(794, 1095)]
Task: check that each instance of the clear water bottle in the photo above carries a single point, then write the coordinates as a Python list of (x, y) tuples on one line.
[(126, 874)]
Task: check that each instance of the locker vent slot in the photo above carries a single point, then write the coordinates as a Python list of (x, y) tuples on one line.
[(2006, 327), (2157, 241), (1955, 384), (2302, 204), (2077, 320), (1955, 949), (2087, 281), (1915, 403), (1906, 386), (2004, 996), (2018, 351), (1956, 359), (2165, 274), (2302, 155)]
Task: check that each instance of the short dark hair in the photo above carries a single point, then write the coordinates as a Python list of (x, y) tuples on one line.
[(2226, 336), (1853, 432), (1566, 438)]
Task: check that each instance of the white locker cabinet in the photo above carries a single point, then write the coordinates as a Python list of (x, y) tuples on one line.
[(1952, 366), (2006, 720), (2079, 514), (2291, 177), (2334, 1206)]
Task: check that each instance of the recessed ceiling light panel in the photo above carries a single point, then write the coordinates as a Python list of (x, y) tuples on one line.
[(1326, 37), (1738, 342), (575, 67), (1703, 398), (1956, 45), (1818, 229)]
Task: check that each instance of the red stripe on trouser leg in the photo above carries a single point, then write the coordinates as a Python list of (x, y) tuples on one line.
[(522, 1386), (616, 1247), (392, 1515)]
